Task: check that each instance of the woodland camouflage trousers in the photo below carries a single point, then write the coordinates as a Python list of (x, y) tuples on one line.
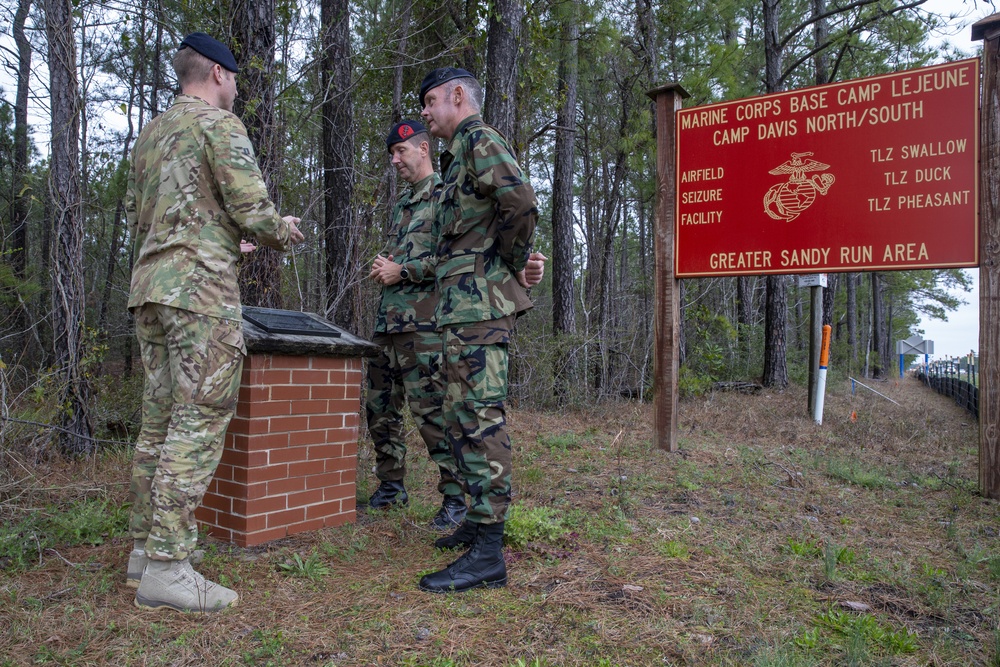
[(404, 373), (193, 365), (475, 379)]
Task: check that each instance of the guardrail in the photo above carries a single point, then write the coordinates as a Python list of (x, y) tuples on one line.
[(957, 378)]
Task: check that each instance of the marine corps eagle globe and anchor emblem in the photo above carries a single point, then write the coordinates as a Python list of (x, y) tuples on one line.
[(786, 201)]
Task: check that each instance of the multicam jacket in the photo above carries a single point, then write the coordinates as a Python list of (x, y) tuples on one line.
[(409, 305), (487, 214), (194, 190)]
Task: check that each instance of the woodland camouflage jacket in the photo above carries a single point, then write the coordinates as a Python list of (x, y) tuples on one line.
[(194, 190), (487, 215), (409, 305)]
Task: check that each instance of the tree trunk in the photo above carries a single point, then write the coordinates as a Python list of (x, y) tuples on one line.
[(563, 301), (21, 198), (502, 37), (343, 294), (878, 327), (852, 316), (253, 41), (775, 343), (68, 296), (775, 368)]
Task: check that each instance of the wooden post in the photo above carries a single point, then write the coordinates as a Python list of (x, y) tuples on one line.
[(667, 311), (988, 29)]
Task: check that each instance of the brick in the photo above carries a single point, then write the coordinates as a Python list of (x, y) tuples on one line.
[(255, 491), (328, 391), (340, 465), (256, 393), (324, 421), (236, 474), (256, 522), (205, 515), (324, 509), (328, 363), (350, 504), (340, 519), (257, 459), (351, 421), (307, 438), (240, 507), (233, 457), (351, 448), (258, 426), (353, 392), (323, 480), (232, 522), (293, 423), (305, 468), (310, 377), (267, 473), (269, 441), (239, 425), (306, 526), (325, 451), (239, 442), (289, 361), (273, 503), (310, 407), (291, 392), (348, 476), (224, 471), (287, 454), (273, 377), (263, 536), (304, 498), (345, 406), (229, 489), (283, 486), (272, 409), (286, 517), (337, 492), (221, 504), (221, 534)]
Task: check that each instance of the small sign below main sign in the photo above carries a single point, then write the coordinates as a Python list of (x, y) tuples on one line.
[(871, 174)]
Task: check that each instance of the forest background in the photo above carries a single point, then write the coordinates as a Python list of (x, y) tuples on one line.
[(320, 83)]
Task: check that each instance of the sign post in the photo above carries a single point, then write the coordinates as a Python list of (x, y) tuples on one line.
[(667, 309), (989, 269)]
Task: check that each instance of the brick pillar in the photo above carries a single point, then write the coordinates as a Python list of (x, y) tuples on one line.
[(291, 450)]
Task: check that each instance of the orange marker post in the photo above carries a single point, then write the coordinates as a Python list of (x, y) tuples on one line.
[(824, 359)]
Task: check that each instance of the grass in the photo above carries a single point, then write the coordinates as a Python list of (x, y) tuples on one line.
[(741, 549)]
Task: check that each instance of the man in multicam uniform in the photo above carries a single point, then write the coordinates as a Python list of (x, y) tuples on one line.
[(194, 190), (404, 329), (486, 218)]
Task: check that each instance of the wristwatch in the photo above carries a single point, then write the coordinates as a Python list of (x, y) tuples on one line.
[(404, 274)]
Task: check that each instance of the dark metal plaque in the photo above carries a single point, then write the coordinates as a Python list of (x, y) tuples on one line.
[(289, 322)]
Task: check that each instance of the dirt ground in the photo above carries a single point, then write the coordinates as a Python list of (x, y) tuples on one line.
[(764, 540)]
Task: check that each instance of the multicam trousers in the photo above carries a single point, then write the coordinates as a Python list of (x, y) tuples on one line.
[(193, 365), (403, 373), (475, 378)]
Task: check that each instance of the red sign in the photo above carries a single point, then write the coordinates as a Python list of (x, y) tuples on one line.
[(871, 174)]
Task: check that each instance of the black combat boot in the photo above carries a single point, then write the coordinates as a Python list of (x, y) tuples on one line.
[(463, 537), (482, 566), (388, 494), (451, 513)]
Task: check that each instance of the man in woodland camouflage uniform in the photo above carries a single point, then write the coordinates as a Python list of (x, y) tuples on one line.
[(194, 190), (404, 329), (486, 218)]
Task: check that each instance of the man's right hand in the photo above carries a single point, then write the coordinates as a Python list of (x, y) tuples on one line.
[(296, 235)]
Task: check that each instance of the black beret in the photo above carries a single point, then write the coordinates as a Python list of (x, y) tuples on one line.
[(436, 77), (402, 131), (212, 49)]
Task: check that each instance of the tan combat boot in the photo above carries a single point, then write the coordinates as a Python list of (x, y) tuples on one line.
[(137, 562), (173, 584)]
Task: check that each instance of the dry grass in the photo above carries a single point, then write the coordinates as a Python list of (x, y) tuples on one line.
[(724, 553)]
